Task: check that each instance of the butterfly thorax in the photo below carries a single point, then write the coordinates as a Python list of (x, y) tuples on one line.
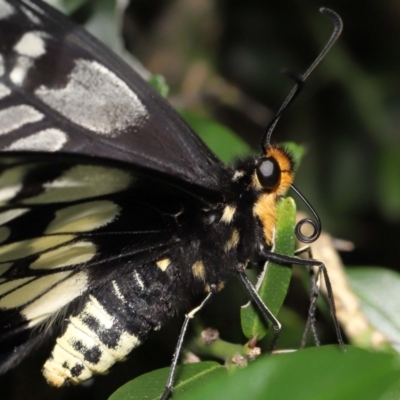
[(218, 240)]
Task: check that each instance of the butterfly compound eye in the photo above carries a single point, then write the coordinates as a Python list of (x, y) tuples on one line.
[(268, 173)]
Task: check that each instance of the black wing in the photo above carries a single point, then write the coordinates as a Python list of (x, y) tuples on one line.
[(94, 170), (62, 90), (67, 228)]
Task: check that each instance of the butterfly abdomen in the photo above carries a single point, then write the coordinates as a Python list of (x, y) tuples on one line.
[(92, 342), (110, 322)]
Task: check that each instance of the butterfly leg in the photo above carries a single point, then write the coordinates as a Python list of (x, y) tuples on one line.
[(262, 307), (314, 294), (170, 382), (281, 259)]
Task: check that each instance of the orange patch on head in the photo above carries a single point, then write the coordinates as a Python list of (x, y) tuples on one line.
[(265, 209), (265, 206), (281, 156), (286, 166)]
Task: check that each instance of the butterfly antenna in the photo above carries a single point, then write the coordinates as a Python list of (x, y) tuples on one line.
[(317, 227), (299, 79)]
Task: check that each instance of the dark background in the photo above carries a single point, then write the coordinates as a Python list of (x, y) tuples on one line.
[(346, 117), (223, 59)]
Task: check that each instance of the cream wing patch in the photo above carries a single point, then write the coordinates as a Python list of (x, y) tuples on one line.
[(9, 192), (84, 217), (24, 248), (15, 117), (9, 215), (93, 90), (76, 253), (44, 296), (56, 298), (9, 286), (31, 290), (47, 140), (6, 9), (31, 44), (22, 66), (82, 182), (10, 181)]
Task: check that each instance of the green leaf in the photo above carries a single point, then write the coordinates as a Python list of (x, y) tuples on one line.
[(318, 373), (277, 277), (220, 139), (151, 386), (379, 294), (159, 84)]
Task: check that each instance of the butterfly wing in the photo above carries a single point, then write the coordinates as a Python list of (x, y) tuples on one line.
[(95, 169), (68, 228), (62, 90)]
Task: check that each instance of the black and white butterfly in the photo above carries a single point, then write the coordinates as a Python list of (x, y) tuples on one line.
[(113, 212)]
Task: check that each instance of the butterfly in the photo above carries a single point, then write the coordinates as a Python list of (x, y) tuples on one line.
[(114, 213)]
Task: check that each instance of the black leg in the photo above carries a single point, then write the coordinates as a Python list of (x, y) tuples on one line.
[(314, 294), (261, 306), (281, 259), (170, 382)]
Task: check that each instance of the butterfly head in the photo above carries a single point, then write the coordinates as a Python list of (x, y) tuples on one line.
[(274, 171)]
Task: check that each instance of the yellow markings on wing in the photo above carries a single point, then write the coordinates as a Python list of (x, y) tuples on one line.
[(82, 182), (64, 289), (9, 286), (75, 253), (11, 181), (31, 290), (24, 248), (83, 217)]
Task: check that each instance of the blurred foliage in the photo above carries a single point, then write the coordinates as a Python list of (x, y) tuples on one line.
[(373, 376), (222, 61)]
